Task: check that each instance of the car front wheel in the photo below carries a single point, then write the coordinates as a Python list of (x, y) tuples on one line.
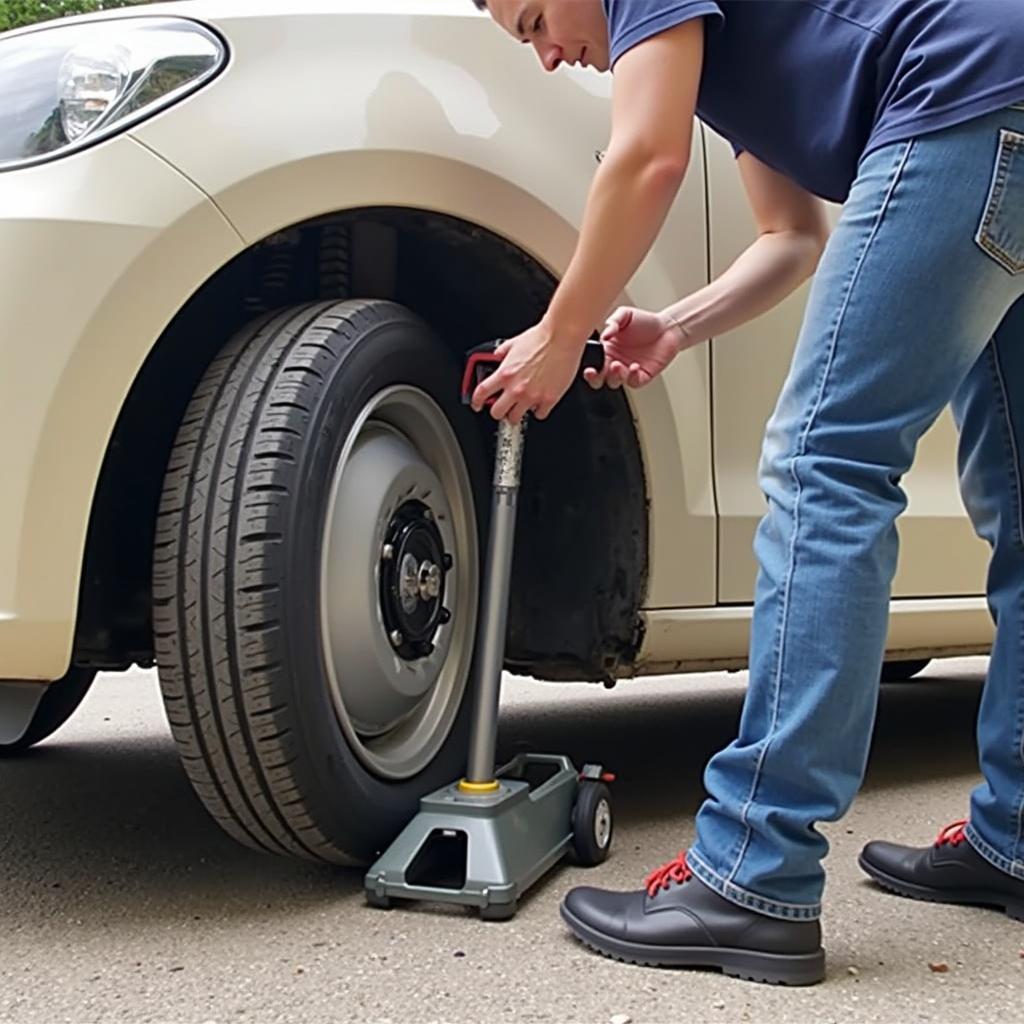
[(316, 577)]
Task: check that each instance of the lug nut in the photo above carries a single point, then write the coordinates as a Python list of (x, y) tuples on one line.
[(447, 561), (387, 553), (428, 515), (445, 616), (396, 638)]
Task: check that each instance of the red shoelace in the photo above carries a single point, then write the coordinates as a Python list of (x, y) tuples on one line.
[(674, 871), (678, 871), (952, 834)]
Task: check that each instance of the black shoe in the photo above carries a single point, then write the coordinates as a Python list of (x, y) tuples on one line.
[(677, 921), (948, 871)]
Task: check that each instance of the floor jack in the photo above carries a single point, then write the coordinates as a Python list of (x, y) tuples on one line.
[(482, 841)]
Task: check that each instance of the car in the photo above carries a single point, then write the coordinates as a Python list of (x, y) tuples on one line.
[(248, 247)]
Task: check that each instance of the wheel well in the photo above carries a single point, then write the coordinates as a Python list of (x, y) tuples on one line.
[(580, 569)]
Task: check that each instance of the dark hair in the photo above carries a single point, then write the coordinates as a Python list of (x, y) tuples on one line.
[(481, 4)]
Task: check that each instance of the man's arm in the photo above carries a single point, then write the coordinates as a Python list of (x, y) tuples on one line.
[(654, 98), (793, 228)]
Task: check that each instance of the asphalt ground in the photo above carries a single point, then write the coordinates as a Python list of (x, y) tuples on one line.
[(122, 901)]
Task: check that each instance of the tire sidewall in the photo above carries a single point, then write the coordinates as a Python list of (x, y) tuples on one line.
[(351, 805)]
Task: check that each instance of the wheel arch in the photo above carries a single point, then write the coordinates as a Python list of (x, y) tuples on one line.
[(584, 488)]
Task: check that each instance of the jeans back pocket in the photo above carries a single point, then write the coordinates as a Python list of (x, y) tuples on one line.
[(1001, 233)]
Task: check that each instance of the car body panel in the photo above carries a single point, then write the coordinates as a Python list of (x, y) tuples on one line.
[(101, 270), (708, 639), (749, 367), (441, 113), (268, 179)]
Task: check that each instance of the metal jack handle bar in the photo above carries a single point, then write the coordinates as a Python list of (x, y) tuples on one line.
[(497, 572)]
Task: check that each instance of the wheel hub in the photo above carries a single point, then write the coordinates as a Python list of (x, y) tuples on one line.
[(413, 571)]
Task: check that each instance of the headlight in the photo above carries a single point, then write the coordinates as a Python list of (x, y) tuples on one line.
[(67, 86)]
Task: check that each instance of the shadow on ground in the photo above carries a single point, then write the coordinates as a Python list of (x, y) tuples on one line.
[(112, 830)]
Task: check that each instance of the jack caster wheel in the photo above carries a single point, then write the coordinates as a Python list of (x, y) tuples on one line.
[(592, 824), (378, 902), (499, 911)]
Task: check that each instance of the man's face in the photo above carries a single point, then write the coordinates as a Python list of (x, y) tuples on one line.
[(569, 31)]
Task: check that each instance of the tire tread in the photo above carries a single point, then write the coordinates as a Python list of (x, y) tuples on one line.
[(218, 568)]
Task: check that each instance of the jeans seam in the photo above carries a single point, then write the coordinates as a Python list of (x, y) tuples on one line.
[(801, 449), (1015, 488), (744, 897), (1016, 482), (991, 855)]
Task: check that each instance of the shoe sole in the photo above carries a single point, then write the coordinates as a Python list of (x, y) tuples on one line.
[(749, 964), (975, 897)]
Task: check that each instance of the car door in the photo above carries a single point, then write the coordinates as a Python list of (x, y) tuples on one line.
[(940, 556)]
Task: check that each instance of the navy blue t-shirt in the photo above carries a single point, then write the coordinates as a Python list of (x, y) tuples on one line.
[(811, 86)]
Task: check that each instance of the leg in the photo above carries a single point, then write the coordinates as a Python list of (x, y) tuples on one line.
[(978, 860), (889, 335), (989, 409)]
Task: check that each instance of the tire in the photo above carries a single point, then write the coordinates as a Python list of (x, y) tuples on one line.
[(306, 724), (593, 824), (58, 704), (902, 671)]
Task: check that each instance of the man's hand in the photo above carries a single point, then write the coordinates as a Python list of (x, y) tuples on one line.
[(537, 369), (638, 345)]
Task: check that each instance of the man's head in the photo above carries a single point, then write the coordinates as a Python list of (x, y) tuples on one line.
[(561, 31)]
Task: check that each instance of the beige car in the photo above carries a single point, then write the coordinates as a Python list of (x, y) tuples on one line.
[(246, 246)]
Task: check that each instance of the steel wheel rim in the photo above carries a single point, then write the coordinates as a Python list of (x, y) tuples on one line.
[(602, 824), (400, 477)]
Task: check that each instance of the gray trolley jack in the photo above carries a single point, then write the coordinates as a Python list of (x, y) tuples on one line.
[(482, 841)]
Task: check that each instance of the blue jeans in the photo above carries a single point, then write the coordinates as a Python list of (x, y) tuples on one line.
[(917, 303)]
